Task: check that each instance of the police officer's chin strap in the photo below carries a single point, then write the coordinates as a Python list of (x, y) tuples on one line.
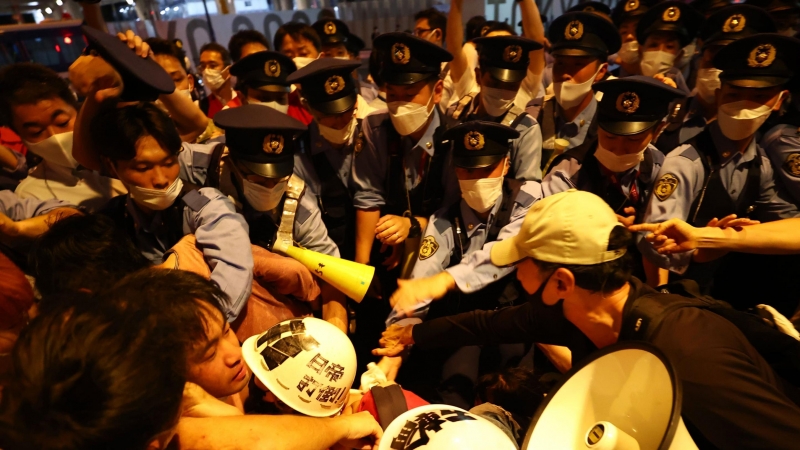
[(294, 190)]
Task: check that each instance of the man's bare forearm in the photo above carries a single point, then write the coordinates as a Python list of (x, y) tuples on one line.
[(781, 237), (366, 220)]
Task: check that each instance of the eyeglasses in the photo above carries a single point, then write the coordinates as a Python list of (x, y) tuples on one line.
[(420, 31)]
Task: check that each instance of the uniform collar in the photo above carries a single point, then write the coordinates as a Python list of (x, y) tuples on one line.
[(725, 148), (140, 220), (584, 118), (426, 143)]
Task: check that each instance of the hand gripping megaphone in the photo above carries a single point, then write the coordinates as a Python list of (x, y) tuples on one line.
[(352, 278), (626, 397)]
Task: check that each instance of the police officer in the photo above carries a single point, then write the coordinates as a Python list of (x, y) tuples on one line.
[(621, 166), (454, 255), (326, 159), (333, 36), (263, 75), (723, 171), (401, 175), (786, 14), (580, 45), (688, 118), (258, 176), (503, 65), (626, 16), (663, 32)]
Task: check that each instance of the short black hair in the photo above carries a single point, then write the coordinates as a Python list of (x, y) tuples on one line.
[(474, 27), (214, 47), (29, 83), (494, 25), (515, 389), (98, 375), (296, 30), (164, 47), (82, 253), (604, 277), (435, 20), (117, 131), (242, 38)]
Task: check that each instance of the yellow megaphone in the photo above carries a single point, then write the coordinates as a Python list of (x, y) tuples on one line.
[(352, 278)]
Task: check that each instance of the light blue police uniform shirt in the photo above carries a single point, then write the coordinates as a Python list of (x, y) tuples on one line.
[(685, 164), (475, 271), (340, 159), (17, 208), (782, 145), (371, 165), (309, 230), (575, 131)]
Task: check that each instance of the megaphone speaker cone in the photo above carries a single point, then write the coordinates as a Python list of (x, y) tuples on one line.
[(352, 278)]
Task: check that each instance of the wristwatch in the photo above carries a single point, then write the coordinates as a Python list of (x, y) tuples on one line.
[(416, 230)]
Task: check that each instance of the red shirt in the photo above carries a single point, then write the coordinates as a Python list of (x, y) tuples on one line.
[(215, 106), (297, 111), (11, 140)]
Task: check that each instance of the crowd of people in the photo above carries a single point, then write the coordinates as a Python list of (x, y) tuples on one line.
[(610, 175)]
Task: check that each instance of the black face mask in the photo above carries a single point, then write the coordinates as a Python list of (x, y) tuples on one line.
[(537, 296)]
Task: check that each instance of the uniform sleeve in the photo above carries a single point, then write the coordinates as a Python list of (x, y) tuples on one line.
[(309, 229), (527, 161), (678, 184), (223, 236), (727, 391), (782, 146), (560, 177), (774, 203), (25, 208), (476, 270), (194, 162), (369, 169), (21, 169), (304, 168)]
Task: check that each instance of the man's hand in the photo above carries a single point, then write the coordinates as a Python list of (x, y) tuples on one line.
[(199, 403), (410, 293), (392, 230), (672, 236), (666, 80), (91, 75), (730, 221), (135, 43), (629, 218), (361, 431), (394, 340)]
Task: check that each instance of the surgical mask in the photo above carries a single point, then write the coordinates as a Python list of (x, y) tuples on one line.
[(618, 163), (481, 194), (497, 101), (708, 83), (335, 136), (280, 107), (262, 198), (57, 149), (409, 117), (629, 52), (570, 95), (213, 79), (655, 62), (740, 120), (302, 61), (156, 199), (687, 55)]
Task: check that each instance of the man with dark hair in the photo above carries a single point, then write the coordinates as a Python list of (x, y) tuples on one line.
[(170, 57), (246, 42), (430, 24), (214, 67), (333, 35), (299, 42), (120, 374), (39, 106), (571, 256)]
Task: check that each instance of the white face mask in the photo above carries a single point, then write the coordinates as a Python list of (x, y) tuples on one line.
[(687, 55), (497, 101), (262, 198), (156, 199), (302, 61), (335, 136), (57, 149), (629, 52), (618, 163), (409, 117), (655, 62), (481, 194), (284, 108), (213, 79), (707, 84), (740, 120), (570, 95)]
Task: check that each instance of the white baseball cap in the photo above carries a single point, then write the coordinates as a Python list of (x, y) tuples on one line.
[(571, 227)]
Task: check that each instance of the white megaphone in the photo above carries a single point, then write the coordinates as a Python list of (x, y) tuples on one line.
[(626, 397), (351, 278)]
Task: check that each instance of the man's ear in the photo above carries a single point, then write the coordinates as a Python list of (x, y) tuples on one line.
[(783, 96), (601, 72), (438, 88), (564, 282), (190, 77)]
